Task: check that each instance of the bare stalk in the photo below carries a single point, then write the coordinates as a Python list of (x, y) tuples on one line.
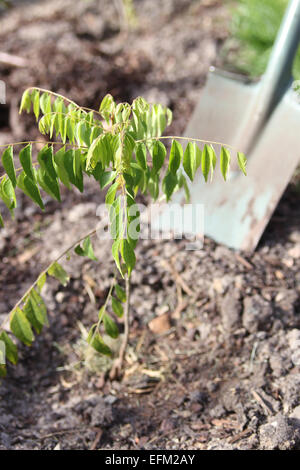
[(118, 364)]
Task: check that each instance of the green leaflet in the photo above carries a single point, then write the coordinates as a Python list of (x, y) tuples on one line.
[(73, 168), (110, 326), (86, 249), (30, 188), (158, 156), (106, 178), (45, 104), (25, 102), (128, 255), (60, 167), (107, 107), (35, 98), (117, 307), (20, 327), (115, 252), (95, 340), (49, 185), (169, 184), (111, 193), (176, 156), (242, 161), (7, 194), (208, 161), (224, 162), (57, 271), (141, 156), (11, 350), (8, 164), (121, 294), (25, 157), (191, 159), (41, 281), (1, 221), (46, 161)]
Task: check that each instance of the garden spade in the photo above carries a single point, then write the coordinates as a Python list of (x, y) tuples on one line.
[(262, 119)]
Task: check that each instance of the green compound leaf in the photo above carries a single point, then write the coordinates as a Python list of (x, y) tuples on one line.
[(20, 327), (57, 271)]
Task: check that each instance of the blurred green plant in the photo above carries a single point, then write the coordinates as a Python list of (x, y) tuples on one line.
[(254, 26)]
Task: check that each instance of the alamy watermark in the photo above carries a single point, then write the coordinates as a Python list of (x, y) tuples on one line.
[(155, 222), (2, 92)]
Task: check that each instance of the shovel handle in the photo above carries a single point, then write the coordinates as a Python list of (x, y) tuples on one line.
[(279, 70), (276, 79)]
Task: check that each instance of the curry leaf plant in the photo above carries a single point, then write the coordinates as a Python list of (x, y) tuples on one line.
[(121, 146)]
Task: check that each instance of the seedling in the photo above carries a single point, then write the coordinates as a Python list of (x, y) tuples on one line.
[(121, 146)]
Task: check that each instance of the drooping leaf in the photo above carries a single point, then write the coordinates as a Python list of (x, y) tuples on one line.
[(111, 193), (20, 327), (7, 194), (106, 178), (86, 249), (25, 102), (117, 307), (11, 350), (128, 255), (57, 271), (8, 165), (121, 294), (191, 159), (30, 188), (116, 254), (25, 157), (141, 155), (242, 161), (158, 155), (41, 281), (176, 156), (35, 98), (224, 162), (110, 326), (95, 340), (169, 184)]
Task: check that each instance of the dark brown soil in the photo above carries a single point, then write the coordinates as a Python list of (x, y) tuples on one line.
[(223, 371)]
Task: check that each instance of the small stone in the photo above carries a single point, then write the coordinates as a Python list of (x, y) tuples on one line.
[(231, 310), (160, 324)]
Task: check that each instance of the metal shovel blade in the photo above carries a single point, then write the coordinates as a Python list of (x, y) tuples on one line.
[(262, 120), (237, 211)]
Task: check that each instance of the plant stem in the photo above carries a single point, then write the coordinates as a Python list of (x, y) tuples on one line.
[(118, 364)]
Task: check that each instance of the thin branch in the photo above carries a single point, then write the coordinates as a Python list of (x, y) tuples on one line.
[(185, 138), (92, 232)]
